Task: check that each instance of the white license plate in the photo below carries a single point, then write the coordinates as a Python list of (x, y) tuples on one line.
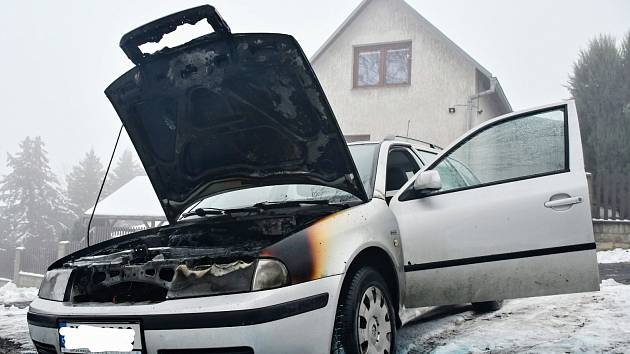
[(110, 338)]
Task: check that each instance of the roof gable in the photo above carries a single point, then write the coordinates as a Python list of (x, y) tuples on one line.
[(426, 24)]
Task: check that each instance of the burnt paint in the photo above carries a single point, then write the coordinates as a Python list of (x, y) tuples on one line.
[(304, 253), (231, 111), (183, 251)]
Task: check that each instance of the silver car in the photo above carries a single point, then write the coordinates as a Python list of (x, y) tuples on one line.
[(283, 239)]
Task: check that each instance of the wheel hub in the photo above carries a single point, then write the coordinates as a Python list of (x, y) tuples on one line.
[(374, 323)]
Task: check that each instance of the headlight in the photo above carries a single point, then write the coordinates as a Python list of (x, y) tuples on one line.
[(269, 274), (54, 284)]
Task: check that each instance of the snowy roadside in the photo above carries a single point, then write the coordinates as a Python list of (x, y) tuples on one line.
[(12, 295), (618, 255), (586, 322), (13, 307)]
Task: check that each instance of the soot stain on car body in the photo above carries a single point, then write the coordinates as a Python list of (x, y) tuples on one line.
[(213, 256)]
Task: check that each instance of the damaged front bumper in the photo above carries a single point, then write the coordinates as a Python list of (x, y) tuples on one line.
[(270, 321)]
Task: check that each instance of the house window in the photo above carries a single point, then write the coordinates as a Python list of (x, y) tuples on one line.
[(382, 65)]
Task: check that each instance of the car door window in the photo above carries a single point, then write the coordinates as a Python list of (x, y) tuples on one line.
[(401, 166), (427, 156), (523, 147), (450, 177)]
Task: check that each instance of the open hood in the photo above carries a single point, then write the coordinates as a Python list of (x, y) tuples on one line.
[(227, 111)]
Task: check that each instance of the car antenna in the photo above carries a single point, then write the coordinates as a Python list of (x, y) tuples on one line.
[(102, 185)]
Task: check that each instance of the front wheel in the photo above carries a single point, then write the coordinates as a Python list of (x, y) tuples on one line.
[(365, 320)]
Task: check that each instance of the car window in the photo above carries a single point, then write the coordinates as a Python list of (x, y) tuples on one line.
[(401, 166), (464, 172), (450, 177), (427, 156), (364, 156), (523, 147)]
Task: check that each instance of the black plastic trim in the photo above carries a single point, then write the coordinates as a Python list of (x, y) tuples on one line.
[(197, 320), (500, 257)]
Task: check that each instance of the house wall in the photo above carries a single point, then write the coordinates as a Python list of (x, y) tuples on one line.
[(441, 77)]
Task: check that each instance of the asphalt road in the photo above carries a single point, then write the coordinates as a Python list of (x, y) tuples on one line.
[(620, 272)]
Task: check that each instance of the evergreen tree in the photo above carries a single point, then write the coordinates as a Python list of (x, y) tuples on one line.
[(33, 203), (125, 170), (600, 87), (625, 54), (83, 183)]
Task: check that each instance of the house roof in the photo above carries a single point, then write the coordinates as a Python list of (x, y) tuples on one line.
[(359, 9), (136, 199)]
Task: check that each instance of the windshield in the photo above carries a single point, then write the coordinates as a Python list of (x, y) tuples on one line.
[(364, 157)]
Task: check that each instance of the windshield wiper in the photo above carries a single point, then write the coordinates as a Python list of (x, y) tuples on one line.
[(258, 207), (218, 211), (296, 203)]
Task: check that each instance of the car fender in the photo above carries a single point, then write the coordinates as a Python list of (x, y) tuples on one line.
[(329, 246)]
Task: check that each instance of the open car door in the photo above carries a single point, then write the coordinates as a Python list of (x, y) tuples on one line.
[(509, 216)]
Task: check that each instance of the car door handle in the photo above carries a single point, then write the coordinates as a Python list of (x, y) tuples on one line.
[(563, 202)]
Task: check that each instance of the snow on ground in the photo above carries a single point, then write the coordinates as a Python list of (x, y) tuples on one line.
[(586, 322), (11, 294), (13, 325), (618, 255), (13, 308)]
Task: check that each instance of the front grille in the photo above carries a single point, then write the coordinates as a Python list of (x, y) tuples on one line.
[(233, 350), (43, 348)]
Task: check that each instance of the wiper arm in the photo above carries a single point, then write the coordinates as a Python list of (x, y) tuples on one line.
[(218, 211), (295, 203), (258, 207)]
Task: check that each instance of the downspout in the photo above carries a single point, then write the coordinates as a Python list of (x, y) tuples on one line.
[(472, 98)]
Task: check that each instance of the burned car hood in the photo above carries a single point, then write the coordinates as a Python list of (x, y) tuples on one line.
[(228, 111)]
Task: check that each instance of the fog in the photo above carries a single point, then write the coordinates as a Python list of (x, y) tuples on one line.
[(58, 57)]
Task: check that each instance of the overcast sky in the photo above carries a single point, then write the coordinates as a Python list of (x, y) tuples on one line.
[(58, 57)]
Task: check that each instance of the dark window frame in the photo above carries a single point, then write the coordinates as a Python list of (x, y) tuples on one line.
[(411, 194), (382, 48), (412, 156)]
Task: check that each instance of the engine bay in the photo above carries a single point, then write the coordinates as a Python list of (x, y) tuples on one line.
[(216, 255)]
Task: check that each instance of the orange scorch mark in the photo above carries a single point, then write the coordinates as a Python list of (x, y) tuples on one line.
[(318, 240)]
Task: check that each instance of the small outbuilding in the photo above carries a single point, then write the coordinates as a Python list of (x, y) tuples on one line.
[(132, 207)]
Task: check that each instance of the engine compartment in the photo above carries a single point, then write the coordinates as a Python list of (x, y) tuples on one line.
[(209, 256)]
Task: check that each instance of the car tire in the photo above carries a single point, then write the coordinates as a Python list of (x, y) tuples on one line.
[(365, 317), (487, 306)]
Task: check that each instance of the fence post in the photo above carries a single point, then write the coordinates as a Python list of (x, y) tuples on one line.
[(62, 249), (17, 263)]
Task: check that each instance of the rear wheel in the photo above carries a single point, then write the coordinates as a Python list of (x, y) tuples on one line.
[(487, 306), (365, 320)]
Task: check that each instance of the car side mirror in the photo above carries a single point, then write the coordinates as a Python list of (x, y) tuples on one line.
[(427, 180)]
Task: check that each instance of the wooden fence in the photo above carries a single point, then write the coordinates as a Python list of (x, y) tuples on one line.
[(37, 260), (610, 196)]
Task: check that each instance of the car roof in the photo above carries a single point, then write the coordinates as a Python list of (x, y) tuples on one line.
[(415, 143)]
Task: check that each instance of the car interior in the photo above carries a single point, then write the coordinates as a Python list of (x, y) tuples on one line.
[(401, 166)]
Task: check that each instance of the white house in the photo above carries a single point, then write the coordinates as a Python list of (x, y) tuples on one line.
[(387, 70)]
